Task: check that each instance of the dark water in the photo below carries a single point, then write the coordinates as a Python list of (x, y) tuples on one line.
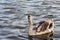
[(13, 17)]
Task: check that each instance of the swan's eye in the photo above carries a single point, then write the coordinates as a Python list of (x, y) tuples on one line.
[(50, 25)]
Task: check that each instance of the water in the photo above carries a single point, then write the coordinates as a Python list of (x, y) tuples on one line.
[(13, 17)]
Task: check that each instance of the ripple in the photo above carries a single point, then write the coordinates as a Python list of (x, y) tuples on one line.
[(44, 3), (9, 8), (13, 37), (5, 33), (5, 3), (50, 16), (56, 34), (23, 36), (11, 12), (58, 25), (57, 19)]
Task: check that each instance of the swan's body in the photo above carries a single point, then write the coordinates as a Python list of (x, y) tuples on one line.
[(44, 25)]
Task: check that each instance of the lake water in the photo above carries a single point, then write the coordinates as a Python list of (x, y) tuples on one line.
[(14, 21)]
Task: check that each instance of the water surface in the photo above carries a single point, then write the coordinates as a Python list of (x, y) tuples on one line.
[(13, 17)]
